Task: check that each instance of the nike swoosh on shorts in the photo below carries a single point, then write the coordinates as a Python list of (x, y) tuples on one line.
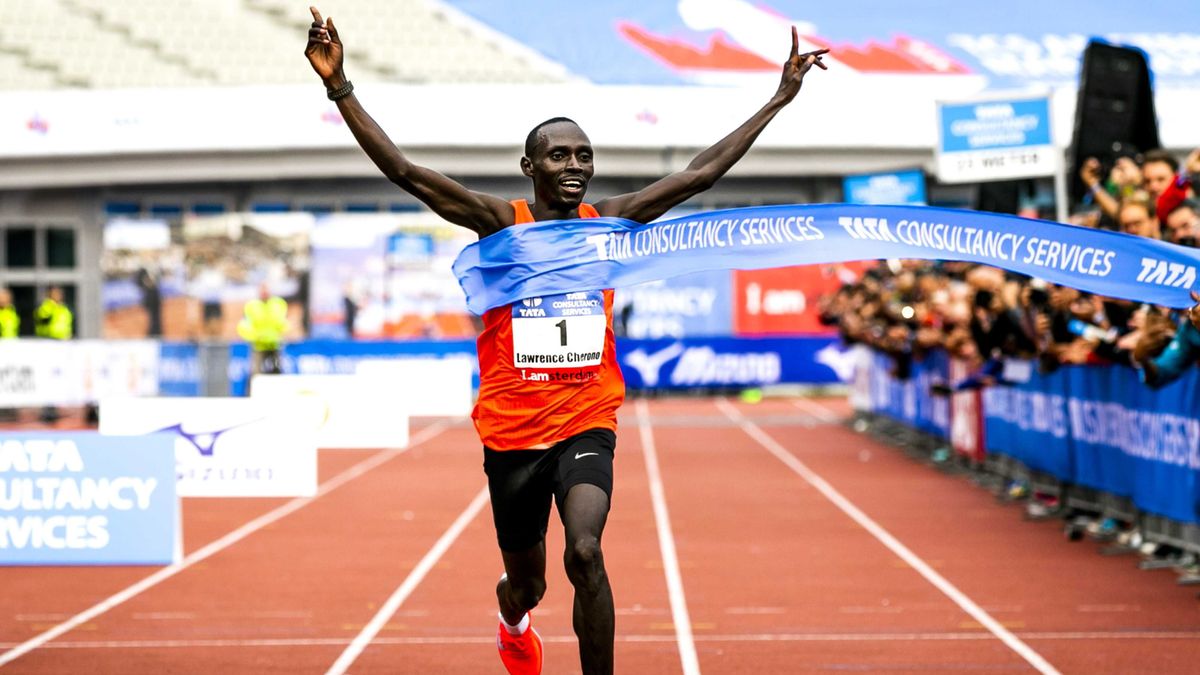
[(585, 454)]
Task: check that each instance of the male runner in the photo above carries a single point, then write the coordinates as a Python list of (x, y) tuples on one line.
[(550, 384)]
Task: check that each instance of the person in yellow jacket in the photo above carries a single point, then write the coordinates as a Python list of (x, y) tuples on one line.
[(263, 326), (52, 319), (10, 323)]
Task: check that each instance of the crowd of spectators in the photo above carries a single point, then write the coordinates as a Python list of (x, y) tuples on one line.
[(986, 316), (983, 314)]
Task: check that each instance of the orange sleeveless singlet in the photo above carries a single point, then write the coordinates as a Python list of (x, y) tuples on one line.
[(547, 366)]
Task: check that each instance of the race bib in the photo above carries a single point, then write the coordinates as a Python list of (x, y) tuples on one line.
[(559, 331)]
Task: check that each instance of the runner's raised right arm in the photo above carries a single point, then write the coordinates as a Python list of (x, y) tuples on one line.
[(482, 213)]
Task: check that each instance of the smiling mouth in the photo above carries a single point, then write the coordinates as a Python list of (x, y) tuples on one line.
[(572, 184)]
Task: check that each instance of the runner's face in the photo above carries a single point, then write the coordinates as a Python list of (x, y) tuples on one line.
[(561, 165)]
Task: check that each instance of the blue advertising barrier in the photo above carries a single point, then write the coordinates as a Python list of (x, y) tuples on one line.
[(1096, 427), (341, 357), (1029, 423), (179, 369), (908, 400), (663, 363), (1102, 428), (728, 362), (80, 498)]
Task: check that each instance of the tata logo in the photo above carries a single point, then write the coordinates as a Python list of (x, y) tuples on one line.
[(527, 313), (1163, 273), (532, 302), (39, 455), (204, 441)]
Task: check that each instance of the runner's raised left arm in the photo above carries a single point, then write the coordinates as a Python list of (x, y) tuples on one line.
[(703, 171)]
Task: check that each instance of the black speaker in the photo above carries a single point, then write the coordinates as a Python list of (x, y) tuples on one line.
[(999, 196), (1003, 196), (1114, 113)]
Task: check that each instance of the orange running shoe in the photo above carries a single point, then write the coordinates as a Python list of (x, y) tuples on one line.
[(521, 654)]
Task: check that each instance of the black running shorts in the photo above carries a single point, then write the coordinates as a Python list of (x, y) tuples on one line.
[(522, 483)]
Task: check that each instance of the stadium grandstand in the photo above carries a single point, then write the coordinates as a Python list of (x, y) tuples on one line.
[(93, 44), (248, 365)]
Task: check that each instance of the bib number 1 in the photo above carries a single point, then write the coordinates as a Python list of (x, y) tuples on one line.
[(559, 331)]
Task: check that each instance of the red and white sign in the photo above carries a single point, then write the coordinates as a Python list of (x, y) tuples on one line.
[(781, 301), (966, 416)]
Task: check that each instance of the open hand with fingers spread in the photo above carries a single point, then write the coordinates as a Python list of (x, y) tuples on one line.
[(324, 50), (796, 66)]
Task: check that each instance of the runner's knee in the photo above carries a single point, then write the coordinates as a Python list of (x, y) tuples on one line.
[(526, 593), (584, 561)]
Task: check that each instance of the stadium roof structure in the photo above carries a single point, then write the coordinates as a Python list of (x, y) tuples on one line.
[(104, 92)]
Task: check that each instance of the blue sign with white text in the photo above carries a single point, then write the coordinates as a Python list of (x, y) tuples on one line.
[(907, 399), (689, 305), (1032, 418), (341, 357), (179, 369), (80, 498), (989, 125), (729, 362), (901, 187)]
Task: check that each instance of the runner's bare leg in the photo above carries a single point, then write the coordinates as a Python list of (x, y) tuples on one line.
[(584, 516)]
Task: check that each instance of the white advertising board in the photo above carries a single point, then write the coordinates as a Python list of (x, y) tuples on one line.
[(356, 411), (75, 372), (228, 447), (424, 387), (996, 139)]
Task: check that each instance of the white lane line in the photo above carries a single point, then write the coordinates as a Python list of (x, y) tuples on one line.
[(957, 636), (941, 583), (414, 579), (217, 546), (666, 544), (817, 410)]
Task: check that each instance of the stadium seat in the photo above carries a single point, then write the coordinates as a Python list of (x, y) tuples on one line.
[(151, 43)]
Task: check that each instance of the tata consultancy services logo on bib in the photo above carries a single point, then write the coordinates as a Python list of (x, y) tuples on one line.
[(529, 310)]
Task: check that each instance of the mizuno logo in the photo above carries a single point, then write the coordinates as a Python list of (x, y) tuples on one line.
[(203, 441), (648, 365), (841, 362), (585, 454)]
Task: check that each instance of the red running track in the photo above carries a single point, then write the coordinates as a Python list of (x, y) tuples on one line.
[(799, 546)]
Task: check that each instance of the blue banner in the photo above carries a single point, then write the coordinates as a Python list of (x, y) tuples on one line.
[(1098, 464), (694, 305), (341, 357), (1103, 429), (728, 362), (545, 258), (654, 363), (84, 499), (1098, 427), (987, 125), (900, 187), (1029, 422), (179, 369), (907, 399)]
